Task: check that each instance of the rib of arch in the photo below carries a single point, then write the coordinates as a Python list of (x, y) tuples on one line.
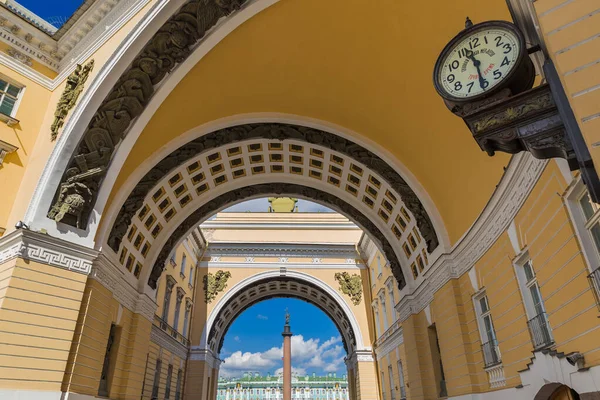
[(169, 47), (227, 166), (266, 285)]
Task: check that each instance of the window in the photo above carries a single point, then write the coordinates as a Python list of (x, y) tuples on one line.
[(156, 379), (390, 288), (372, 276), (9, 97), (106, 374), (379, 266), (489, 346), (391, 382), (401, 379), (183, 261), (384, 313), (167, 299), (186, 319), (168, 384), (377, 319), (539, 327), (191, 281), (382, 386), (177, 308), (591, 217)]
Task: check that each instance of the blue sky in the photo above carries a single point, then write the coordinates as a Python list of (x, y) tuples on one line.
[(51, 10), (254, 341)]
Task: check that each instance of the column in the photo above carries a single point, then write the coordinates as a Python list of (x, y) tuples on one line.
[(361, 365), (287, 359)]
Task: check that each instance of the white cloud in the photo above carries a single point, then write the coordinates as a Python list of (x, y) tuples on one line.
[(327, 357), (237, 339), (263, 317)]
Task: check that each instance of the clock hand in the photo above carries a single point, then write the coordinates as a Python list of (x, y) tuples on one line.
[(477, 64)]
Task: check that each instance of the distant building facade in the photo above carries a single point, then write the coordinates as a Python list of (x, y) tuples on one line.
[(253, 386)]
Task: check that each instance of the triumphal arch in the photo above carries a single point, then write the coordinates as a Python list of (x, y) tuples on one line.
[(138, 120)]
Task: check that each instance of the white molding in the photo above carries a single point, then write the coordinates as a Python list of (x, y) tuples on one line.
[(113, 278), (277, 265), (46, 249), (390, 343), (198, 353), (167, 342), (519, 179), (249, 281)]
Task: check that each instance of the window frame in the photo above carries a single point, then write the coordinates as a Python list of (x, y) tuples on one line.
[(18, 98)]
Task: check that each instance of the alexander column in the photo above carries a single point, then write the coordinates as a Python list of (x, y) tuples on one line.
[(287, 358)]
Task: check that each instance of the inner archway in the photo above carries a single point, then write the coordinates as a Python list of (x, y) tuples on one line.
[(252, 353)]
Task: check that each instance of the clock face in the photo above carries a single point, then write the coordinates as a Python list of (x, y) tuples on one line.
[(479, 62)]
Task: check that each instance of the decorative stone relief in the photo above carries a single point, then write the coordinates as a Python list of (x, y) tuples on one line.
[(74, 87), (170, 46), (215, 284), (350, 285), (17, 55)]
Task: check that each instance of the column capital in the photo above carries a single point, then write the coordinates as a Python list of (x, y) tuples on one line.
[(362, 355), (201, 354)]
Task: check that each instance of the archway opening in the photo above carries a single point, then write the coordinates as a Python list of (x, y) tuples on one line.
[(252, 352)]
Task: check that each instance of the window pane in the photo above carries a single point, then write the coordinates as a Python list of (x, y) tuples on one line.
[(489, 330), (537, 299), (595, 231), (483, 304), (2, 85), (13, 90), (528, 271), (586, 206), (7, 105)]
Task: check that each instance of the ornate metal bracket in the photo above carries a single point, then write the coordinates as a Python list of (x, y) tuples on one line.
[(539, 120)]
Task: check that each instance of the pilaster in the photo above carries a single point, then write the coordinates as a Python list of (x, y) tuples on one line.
[(361, 364), (202, 373)]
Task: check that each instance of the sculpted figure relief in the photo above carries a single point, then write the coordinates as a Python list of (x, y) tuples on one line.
[(74, 87), (350, 285), (168, 47)]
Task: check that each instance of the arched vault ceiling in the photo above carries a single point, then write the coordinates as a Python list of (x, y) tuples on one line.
[(364, 66)]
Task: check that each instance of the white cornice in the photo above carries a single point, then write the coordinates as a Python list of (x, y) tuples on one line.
[(46, 249), (93, 29), (167, 342), (519, 179), (390, 342)]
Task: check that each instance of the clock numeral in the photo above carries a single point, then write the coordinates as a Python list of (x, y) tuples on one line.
[(450, 78), (474, 43), (508, 48), (497, 74), (453, 65), (485, 39), (505, 62), (484, 84), (470, 85), (499, 41), (457, 85)]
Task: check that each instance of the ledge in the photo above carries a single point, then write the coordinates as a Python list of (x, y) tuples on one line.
[(8, 120)]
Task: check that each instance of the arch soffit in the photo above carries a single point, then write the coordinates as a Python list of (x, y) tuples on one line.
[(194, 182), (354, 334), (94, 176), (113, 82)]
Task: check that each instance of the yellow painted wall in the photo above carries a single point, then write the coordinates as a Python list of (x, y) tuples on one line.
[(39, 306), (36, 120), (396, 107), (182, 281), (30, 113), (570, 30)]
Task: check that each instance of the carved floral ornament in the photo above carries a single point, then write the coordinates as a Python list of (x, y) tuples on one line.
[(215, 284), (350, 285)]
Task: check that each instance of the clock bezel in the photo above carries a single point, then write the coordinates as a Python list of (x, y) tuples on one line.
[(496, 24)]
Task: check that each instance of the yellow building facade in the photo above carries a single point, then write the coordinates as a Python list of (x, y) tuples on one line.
[(130, 126)]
